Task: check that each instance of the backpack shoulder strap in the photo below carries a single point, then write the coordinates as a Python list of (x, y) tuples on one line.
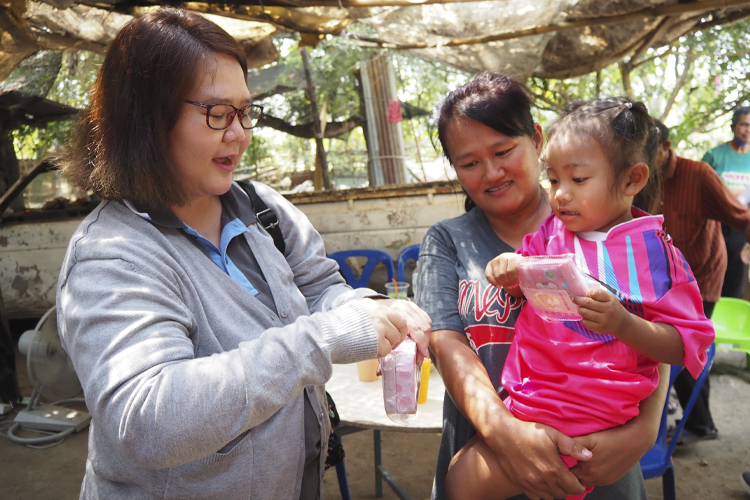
[(265, 216)]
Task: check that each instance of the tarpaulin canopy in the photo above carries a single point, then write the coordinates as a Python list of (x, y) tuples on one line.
[(550, 38)]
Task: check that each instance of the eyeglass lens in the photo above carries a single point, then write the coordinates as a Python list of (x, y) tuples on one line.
[(221, 116)]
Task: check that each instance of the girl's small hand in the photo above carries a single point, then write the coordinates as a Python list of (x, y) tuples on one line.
[(502, 271), (602, 312)]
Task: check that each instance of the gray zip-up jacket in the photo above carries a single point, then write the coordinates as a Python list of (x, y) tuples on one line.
[(194, 386)]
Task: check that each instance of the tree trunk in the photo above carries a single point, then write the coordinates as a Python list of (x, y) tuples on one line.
[(320, 151), (679, 83), (9, 170), (625, 70)]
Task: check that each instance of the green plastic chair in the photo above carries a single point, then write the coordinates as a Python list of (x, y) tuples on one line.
[(731, 319)]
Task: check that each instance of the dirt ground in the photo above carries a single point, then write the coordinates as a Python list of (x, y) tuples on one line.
[(705, 471)]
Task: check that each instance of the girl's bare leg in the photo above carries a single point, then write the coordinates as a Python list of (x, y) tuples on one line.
[(474, 474)]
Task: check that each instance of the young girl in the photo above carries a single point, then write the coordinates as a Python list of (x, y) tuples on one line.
[(585, 376)]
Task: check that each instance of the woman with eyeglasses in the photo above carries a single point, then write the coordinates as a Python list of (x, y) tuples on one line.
[(202, 349)]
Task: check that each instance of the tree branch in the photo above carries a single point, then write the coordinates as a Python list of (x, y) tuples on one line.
[(681, 79), (332, 129), (306, 130)]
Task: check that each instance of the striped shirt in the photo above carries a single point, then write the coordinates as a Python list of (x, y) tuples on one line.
[(579, 381), (694, 202)]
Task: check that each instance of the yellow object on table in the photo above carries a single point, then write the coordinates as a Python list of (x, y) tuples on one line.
[(425, 381), (367, 370)]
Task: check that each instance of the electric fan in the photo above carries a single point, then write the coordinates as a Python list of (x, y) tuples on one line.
[(53, 376)]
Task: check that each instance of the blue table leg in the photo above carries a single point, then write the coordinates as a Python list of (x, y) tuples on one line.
[(378, 472)]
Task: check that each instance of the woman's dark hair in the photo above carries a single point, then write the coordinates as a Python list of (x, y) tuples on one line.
[(120, 148), (626, 133), (494, 100)]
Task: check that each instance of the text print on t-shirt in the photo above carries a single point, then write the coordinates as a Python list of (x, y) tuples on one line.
[(486, 313)]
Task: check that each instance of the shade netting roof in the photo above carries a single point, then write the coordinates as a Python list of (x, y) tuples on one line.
[(550, 38)]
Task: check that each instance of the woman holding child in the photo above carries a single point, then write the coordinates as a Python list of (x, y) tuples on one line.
[(489, 136)]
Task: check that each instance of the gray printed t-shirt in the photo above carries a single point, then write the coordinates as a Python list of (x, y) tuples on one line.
[(454, 291)]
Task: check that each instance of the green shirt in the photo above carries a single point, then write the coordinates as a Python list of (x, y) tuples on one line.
[(733, 167)]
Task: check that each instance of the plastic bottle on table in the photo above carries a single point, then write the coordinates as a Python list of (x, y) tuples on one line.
[(414, 279)]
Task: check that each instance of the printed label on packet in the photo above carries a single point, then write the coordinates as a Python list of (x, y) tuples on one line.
[(550, 282), (557, 302)]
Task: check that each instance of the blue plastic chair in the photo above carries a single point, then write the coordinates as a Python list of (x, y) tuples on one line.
[(658, 460), (374, 257), (410, 252)]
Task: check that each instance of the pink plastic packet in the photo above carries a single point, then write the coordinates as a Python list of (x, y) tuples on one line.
[(550, 282), (401, 379)]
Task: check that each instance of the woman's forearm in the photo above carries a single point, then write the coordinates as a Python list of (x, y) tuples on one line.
[(618, 450), (467, 381)]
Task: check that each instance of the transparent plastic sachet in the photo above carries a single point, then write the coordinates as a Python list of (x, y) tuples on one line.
[(549, 283), (401, 376)]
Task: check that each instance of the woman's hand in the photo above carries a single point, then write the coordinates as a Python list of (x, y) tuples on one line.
[(394, 319), (502, 272), (529, 454), (617, 450)]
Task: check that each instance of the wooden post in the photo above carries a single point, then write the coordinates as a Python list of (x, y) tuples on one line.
[(385, 145), (320, 152)]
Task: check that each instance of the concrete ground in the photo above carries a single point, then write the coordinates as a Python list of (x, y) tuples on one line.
[(705, 470)]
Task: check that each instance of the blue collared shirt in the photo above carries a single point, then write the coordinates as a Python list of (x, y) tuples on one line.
[(231, 227), (229, 231)]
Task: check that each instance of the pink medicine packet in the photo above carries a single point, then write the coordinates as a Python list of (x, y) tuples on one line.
[(401, 379), (550, 282)]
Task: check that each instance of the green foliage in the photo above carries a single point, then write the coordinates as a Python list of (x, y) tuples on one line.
[(71, 87), (692, 86), (334, 63), (335, 66)]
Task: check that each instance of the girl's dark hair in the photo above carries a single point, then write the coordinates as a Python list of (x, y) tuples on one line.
[(627, 134), (663, 131), (494, 100), (120, 148)]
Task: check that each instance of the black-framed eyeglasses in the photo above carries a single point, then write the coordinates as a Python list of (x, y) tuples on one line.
[(221, 116)]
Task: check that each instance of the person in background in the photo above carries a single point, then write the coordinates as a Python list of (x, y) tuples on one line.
[(201, 346), (695, 203), (488, 134), (732, 162)]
